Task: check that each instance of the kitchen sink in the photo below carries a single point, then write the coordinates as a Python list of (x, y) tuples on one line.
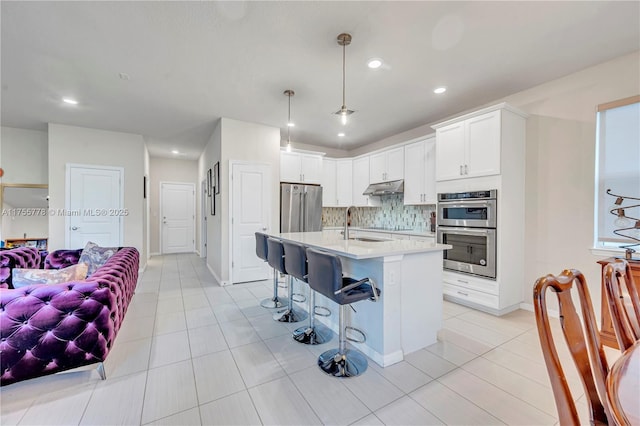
[(369, 239)]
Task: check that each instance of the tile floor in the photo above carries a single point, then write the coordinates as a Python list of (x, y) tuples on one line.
[(190, 352)]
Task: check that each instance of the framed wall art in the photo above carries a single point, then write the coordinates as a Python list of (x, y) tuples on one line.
[(216, 177)]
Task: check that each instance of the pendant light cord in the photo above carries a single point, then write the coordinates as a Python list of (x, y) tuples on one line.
[(289, 122), (343, 75)]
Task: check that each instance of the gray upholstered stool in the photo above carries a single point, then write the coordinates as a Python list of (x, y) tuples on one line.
[(262, 252), (275, 257), (325, 277), (295, 261)]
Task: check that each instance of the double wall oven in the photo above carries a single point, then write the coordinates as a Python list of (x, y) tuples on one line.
[(467, 221)]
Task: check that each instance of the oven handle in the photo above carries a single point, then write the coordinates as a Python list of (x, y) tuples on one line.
[(466, 231), (468, 203)]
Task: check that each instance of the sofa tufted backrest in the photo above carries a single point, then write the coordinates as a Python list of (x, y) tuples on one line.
[(23, 257), (49, 328)]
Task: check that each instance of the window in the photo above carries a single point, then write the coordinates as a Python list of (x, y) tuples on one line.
[(617, 169)]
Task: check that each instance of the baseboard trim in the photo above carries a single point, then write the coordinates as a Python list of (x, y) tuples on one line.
[(216, 277), (155, 254)]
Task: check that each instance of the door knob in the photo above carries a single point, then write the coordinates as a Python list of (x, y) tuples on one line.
[(264, 228), (74, 228)]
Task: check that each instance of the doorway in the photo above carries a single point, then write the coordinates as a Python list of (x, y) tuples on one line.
[(177, 212), (250, 212), (94, 205)]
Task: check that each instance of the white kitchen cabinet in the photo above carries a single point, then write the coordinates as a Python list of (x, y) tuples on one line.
[(329, 183), (361, 182), (387, 165), (469, 148), (425, 238), (344, 182), (300, 167), (337, 182), (419, 172), (492, 142)]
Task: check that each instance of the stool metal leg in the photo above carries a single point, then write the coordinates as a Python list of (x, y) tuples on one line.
[(273, 302), (291, 314), (343, 362), (313, 334)]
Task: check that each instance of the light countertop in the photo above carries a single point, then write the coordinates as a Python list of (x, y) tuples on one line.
[(332, 242)]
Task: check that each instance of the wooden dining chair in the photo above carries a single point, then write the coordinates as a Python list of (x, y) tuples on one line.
[(624, 308), (582, 344)]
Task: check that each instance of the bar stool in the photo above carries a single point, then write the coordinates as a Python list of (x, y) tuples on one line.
[(275, 257), (295, 261), (262, 252), (325, 277)]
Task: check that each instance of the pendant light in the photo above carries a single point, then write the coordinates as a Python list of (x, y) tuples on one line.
[(344, 40), (289, 93)]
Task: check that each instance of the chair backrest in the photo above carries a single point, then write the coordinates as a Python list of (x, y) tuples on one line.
[(325, 273), (275, 255), (624, 309), (593, 374), (261, 245), (295, 260)]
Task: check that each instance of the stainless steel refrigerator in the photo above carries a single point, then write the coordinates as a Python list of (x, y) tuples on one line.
[(300, 207)]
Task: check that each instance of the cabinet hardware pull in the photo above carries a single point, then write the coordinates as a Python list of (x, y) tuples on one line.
[(460, 169), (463, 293), (463, 281), (466, 169)]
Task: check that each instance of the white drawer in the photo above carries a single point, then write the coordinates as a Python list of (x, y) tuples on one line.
[(471, 282), (472, 296), (400, 236), (425, 238)]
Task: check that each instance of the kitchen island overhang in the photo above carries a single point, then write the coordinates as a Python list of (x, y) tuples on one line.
[(408, 315)]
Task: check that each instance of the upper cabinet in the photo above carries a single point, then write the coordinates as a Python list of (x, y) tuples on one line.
[(473, 145), (420, 172), (300, 167), (361, 182), (328, 182), (337, 182), (387, 165), (469, 148), (344, 182)]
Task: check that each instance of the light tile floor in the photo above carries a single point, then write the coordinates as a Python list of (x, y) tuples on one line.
[(190, 352)]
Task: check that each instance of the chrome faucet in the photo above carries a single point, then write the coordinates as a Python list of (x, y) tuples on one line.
[(346, 223)]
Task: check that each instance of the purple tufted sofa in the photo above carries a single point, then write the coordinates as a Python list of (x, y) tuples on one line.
[(45, 329), (23, 257)]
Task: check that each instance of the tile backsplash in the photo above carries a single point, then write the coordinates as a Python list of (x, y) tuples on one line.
[(391, 214)]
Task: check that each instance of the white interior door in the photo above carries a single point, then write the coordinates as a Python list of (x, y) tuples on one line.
[(251, 208), (177, 212), (94, 206)]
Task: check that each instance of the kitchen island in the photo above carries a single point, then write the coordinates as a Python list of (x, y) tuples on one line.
[(408, 314)]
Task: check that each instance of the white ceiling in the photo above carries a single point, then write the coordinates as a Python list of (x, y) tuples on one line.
[(191, 63)]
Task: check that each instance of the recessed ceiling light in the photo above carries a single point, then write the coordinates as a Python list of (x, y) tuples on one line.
[(69, 101), (291, 124), (374, 63), (175, 151), (439, 90), (341, 134)]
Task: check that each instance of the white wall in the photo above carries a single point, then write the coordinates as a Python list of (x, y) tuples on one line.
[(24, 156), (166, 170), (560, 167), (234, 140), (79, 145)]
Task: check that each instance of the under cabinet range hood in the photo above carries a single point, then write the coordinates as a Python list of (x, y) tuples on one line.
[(385, 188)]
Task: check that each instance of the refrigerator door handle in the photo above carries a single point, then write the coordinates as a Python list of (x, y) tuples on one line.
[(303, 214)]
